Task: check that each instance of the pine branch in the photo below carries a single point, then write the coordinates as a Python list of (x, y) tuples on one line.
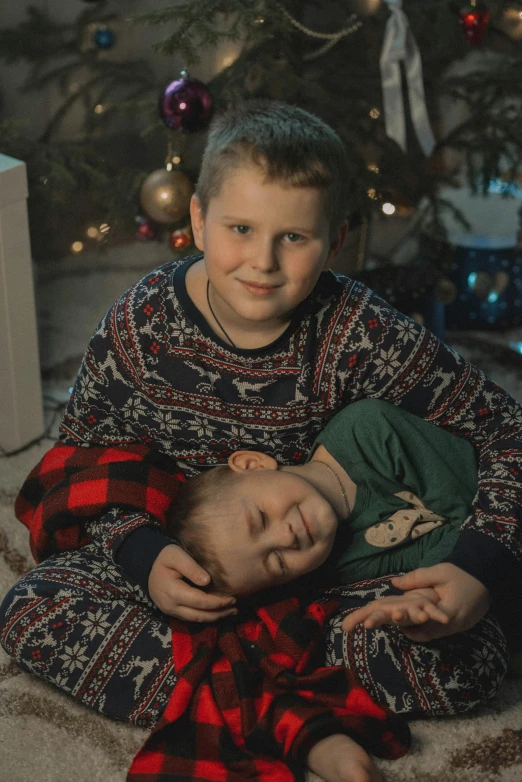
[(201, 23)]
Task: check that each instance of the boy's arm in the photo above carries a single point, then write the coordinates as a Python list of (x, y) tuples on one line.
[(398, 361), (104, 462), (405, 364)]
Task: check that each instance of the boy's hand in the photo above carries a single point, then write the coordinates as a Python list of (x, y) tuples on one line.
[(176, 598), (415, 607), (462, 598)]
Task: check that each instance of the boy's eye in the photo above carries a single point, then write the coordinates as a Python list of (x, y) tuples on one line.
[(294, 238), (241, 229)]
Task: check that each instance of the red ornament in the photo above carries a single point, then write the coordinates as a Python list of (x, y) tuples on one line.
[(186, 105), (180, 238), (474, 20), (147, 229)]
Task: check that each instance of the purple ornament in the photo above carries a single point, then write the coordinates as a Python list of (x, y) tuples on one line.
[(186, 105)]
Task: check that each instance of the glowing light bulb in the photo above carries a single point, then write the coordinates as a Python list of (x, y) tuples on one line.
[(104, 228), (388, 208), (374, 113), (99, 109), (183, 105), (92, 232), (472, 278), (176, 159), (77, 247)]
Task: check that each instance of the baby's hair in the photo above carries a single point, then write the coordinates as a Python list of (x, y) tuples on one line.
[(190, 514), (290, 144)]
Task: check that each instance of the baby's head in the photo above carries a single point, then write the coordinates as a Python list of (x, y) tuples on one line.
[(290, 145), (252, 524)]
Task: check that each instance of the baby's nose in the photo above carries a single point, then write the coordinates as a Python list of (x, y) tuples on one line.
[(288, 537)]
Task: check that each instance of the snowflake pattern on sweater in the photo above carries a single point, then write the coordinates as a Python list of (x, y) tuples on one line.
[(155, 373)]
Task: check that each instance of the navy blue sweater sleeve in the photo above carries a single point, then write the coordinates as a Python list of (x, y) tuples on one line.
[(138, 552)]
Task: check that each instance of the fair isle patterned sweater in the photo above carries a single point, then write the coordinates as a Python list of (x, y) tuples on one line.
[(155, 373)]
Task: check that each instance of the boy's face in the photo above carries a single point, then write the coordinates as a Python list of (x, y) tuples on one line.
[(270, 528), (265, 245)]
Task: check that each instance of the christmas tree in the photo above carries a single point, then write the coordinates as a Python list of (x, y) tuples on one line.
[(355, 63)]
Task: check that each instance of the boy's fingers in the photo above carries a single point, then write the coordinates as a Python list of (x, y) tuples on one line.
[(436, 614), (376, 619), (192, 597), (188, 567), (196, 615), (417, 579), (351, 621)]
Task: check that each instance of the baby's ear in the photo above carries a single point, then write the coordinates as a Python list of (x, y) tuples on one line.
[(240, 461)]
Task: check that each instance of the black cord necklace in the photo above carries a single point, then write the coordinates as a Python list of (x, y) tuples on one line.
[(215, 316), (343, 492)]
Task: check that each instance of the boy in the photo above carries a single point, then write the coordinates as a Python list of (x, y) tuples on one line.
[(254, 344), (377, 480), (382, 492)]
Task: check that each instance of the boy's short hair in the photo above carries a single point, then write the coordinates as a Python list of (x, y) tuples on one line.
[(290, 144), (188, 519)]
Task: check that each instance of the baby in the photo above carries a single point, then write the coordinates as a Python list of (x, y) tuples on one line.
[(383, 492)]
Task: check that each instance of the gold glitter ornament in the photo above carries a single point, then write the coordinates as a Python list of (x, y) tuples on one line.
[(165, 195)]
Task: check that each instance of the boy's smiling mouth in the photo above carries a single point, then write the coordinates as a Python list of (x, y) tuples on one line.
[(258, 288), (307, 528)]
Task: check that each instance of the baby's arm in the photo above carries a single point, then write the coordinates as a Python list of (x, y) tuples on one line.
[(338, 758), (414, 607)]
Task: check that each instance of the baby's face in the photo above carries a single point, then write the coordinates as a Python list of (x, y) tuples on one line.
[(270, 528)]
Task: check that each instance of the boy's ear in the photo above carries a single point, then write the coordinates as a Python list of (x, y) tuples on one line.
[(198, 221), (336, 245), (240, 461)]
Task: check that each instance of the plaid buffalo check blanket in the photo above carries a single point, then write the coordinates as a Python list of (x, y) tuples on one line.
[(72, 486), (252, 695), (252, 698)]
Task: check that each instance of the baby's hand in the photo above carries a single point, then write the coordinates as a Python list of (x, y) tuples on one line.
[(338, 758), (412, 608), (462, 597), (176, 598)]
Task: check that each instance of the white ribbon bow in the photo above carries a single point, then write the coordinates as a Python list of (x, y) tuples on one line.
[(400, 46)]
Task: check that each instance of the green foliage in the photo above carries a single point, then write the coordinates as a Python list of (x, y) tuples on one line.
[(341, 83)]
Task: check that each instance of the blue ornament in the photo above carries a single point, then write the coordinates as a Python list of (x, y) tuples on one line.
[(104, 38)]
